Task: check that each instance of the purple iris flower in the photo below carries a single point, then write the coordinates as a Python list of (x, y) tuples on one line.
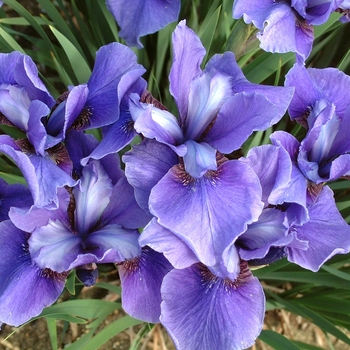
[(283, 229), (99, 230), (210, 304), (96, 222), (25, 102), (97, 103), (141, 17), (215, 114), (285, 25), (25, 287), (323, 108), (212, 104), (313, 85), (211, 298)]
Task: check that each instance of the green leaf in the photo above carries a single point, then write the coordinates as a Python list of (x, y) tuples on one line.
[(10, 41), (336, 272), (110, 331), (33, 22), (112, 288), (304, 346), (58, 21), (70, 283), (209, 31), (85, 308), (80, 66), (277, 341), (322, 279), (51, 326), (13, 179), (146, 328), (68, 318), (298, 309)]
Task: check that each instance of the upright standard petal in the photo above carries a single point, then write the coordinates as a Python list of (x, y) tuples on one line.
[(202, 311), (115, 71), (92, 196), (141, 17), (208, 213), (188, 53), (25, 288)]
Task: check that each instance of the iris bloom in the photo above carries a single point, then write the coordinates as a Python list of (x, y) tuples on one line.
[(323, 107), (218, 109), (26, 104), (141, 17), (285, 25), (284, 229)]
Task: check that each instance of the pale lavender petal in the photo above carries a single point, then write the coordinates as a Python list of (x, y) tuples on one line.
[(214, 209), (141, 279), (306, 92), (25, 289), (145, 165), (207, 94), (164, 241), (316, 84), (112, 243), (54, 246), (26, 75), (339, 167), (92, 196), (188, 53), (199, 159), (296, 191), (142, 17), (158, 124), (335, 93), (326, 232), (14, 105), (30, 217), (197, 306)]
